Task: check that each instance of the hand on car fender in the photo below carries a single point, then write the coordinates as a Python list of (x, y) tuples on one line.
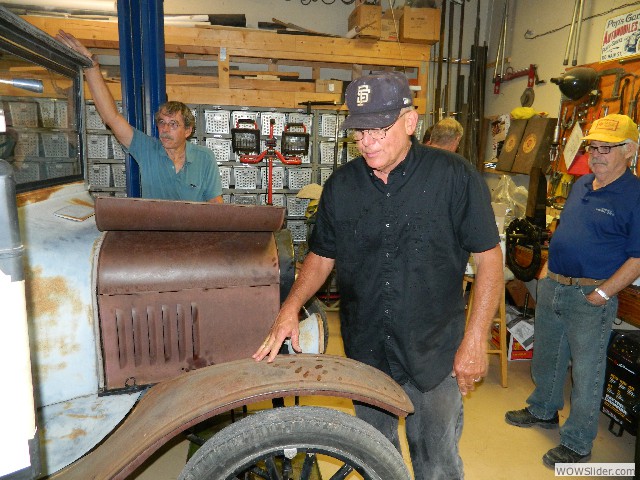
[(285, 326)]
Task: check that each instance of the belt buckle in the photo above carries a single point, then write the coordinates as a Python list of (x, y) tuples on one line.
[(571, 280)]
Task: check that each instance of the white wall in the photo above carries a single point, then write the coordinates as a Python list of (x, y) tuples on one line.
[(316, 16), (547, 51)]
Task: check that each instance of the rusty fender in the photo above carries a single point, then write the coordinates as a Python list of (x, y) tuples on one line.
[(172, 406)]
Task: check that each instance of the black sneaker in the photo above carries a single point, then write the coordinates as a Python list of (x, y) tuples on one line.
[(562, 454), (524, 418)]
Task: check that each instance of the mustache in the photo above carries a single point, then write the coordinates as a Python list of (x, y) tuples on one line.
[(164, 135)]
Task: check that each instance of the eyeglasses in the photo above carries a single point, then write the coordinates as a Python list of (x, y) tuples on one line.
[(375, 133), (172, 124), (602, 149)]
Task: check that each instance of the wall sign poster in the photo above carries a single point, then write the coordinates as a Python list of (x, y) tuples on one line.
[(621, 37)]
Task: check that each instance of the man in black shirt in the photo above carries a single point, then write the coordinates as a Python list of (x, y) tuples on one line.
[(398, 224)]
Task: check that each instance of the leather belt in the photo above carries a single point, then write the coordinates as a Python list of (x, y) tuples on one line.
[(574, 280)]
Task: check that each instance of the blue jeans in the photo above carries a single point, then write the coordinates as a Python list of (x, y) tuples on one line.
[(433, 430), (568, 329)]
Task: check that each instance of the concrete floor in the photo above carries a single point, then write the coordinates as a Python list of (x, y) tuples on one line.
[(490, 449)]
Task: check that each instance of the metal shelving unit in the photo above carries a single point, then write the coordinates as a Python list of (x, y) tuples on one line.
[(41, 142)]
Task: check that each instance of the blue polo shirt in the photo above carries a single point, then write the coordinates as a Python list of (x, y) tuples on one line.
[(598, 230), (197, 181)]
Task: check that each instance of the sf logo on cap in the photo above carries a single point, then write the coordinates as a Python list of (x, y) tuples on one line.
[(363, 94)]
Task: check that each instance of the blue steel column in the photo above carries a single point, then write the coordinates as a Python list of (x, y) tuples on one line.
[(142, 70)]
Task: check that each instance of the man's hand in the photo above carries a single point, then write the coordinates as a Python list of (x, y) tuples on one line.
[(470, 365), (73, 43), (285, 326)]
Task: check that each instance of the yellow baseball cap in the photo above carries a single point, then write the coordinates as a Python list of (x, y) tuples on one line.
[(613, 128)]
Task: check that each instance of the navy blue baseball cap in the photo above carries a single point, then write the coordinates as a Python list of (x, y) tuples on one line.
[(375, 101)]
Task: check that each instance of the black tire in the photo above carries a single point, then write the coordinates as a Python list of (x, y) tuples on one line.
[(314, 305), (258, 442), (521, 232)]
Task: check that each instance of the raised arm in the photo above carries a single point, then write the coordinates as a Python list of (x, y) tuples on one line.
[(102, 97)]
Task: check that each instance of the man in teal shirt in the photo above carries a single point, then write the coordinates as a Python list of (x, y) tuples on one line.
[(198, 179), (171, 167)]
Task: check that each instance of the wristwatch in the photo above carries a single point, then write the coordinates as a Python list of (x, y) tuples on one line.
[(602, 294)]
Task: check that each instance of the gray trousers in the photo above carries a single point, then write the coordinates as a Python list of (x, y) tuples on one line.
[(433, 430)]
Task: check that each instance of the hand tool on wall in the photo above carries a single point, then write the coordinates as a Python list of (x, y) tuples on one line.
[(437, 109), (526, 100), (500, 54), (447, 94), (574, 33), (620, 74), (623, 95), (475, 98), (460, 79), (633, 103)]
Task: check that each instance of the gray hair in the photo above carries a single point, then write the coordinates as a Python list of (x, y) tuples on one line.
[(446, 131), (172, 108)]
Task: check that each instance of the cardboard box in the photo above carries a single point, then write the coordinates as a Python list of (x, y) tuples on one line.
[(420, 25), (515, 350), (329, 86), (368, 19), (388, 26)]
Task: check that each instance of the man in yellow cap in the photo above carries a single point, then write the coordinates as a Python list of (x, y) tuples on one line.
[(594, 253)]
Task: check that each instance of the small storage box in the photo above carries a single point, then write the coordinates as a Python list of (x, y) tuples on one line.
[(117, 150), (245, 177), (119, 175), (216, 121), (324, 174), (303, 118), (298, 177), (327, 152), (328, 125), (24, 114), (243, 115), (221, 148), (367, 18), (245, 199), (97, 146), (55, 144), (352, 151), (298, 229), (296, 207), (27, 172), (60, 169), (277, 177), (53, 113), (27, 145), (225, 175), (277, 199), (265, 123), (420, 25), (99, 175), (94, 121)]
